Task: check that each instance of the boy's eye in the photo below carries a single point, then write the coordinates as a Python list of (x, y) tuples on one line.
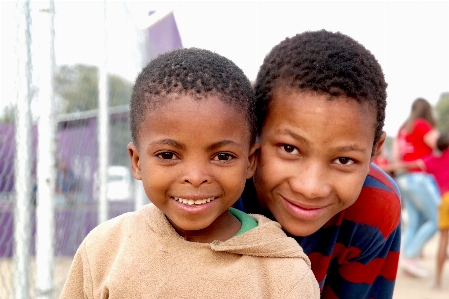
[(344, 161), (223, 157), (289, 149), (166, 156)]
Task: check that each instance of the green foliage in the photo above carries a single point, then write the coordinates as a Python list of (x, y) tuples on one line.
[(8, 114), (442, 110), (78, 86)]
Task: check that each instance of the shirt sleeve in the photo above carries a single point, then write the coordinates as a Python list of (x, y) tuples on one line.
[(78, 280), (370, 275), (366, 255)]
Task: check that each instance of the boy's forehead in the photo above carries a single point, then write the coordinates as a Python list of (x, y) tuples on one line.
[(164, 104), (177, 108), (314, 97), (284, 91)]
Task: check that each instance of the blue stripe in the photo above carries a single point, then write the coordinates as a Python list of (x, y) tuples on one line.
[(380, 289), (322, 241), (371, 181), (365, 237)]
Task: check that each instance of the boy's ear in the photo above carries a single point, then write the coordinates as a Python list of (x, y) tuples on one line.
[(252, 160), (135, 161), (379, 145)]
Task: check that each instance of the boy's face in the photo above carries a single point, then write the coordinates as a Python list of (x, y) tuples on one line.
[(314, 158), (193, 159)]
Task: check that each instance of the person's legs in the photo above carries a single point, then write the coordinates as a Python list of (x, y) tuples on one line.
[(441, 256), (443, 224), (412, 223), (425, 199), (413, 220), (420, 201)]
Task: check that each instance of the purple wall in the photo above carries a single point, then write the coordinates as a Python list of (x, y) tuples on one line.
[(77, 146), (7, 153)]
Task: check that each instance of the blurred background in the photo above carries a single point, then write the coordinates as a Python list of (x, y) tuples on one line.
[(67, 70)]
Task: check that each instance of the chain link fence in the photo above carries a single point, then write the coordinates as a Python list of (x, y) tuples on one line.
[(59, 220)]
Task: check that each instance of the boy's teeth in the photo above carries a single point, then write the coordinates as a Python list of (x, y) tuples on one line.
[(193, 202)]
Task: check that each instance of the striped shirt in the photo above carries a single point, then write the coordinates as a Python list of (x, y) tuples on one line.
[(356, 253)]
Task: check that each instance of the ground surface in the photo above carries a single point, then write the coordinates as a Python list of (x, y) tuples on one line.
[(408, 287)]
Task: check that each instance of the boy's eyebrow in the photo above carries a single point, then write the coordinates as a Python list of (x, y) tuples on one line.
[(294, 135), (350, 148), (344, 148), (168, 141), (221, 143), (179, 145)]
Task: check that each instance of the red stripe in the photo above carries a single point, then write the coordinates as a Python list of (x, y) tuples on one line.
[(369, 213), (320, 263), (360, 273), (390, 269), (328, 293)]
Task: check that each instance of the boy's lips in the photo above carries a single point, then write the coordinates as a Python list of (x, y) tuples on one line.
[(194, 201), (304, 211)]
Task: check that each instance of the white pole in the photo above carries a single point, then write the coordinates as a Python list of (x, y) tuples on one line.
[(22, 174), (46, 157), (103, 126)]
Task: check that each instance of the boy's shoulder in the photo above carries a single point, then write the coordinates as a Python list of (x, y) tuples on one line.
[(267, 239), (379, 202), (112, 231)]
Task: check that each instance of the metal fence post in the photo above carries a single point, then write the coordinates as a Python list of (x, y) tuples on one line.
[(23, 137), (46, 158), (103, 126)]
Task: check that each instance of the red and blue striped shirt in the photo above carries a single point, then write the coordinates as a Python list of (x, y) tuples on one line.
[(356, 253)]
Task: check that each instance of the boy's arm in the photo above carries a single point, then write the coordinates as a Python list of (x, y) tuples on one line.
[(366, 255), (74, 286), (375, 279), (397, 166)]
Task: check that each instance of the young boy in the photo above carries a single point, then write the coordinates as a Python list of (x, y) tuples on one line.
[(193, 127), (321, 100), (438, 166)]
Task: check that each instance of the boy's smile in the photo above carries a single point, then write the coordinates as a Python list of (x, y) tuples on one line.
[(193, 157), (314, 157)]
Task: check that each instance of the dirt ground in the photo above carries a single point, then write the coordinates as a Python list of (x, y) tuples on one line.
[(408, 287)]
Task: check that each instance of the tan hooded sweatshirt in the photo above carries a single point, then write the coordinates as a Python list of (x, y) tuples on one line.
[(140, 255)]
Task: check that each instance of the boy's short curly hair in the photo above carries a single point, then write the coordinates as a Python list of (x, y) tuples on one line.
[(196, 73), (324, 62)]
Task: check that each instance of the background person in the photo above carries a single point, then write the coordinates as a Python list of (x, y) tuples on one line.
[(438, 166), (66, 185), (416, 139)]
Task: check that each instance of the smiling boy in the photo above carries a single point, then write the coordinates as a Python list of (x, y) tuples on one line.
[(321, 100), (193, 126)]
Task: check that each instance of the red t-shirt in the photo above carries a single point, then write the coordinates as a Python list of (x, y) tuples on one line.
[(411, 144), (439, 167)]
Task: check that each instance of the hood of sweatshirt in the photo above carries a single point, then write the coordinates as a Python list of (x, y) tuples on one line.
[(265, 240)]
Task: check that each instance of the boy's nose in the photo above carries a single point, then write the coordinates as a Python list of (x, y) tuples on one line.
[(311, 182), (196, 175)]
